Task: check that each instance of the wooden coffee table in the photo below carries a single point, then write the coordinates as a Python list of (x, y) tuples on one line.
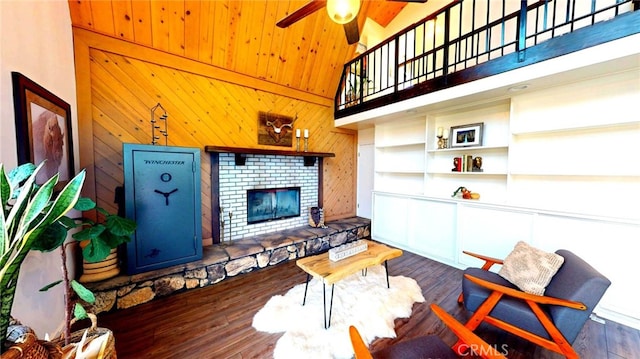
[(330, 272)]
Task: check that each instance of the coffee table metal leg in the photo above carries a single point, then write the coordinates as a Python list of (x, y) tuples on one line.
[(386, 269), (327, 323), (304, 300)]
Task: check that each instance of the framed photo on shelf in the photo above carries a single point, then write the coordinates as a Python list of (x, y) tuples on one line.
[(43, 130), (466, 135)]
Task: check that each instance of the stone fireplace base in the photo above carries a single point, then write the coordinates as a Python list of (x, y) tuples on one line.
[(225, 260)]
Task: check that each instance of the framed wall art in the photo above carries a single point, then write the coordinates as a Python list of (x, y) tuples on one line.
[(43, 129), (466, 135)]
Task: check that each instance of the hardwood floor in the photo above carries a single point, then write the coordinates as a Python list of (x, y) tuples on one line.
[(215, 321)]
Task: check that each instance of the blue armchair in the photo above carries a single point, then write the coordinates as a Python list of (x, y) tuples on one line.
[(552, 320)]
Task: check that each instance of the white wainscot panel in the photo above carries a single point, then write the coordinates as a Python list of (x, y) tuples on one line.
[(610, 247), (432, 229), (490, 231), (389, 222)]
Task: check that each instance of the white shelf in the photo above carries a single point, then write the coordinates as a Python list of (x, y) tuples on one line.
[(469, 149), (399, 145), (570, 131), (400, 171), (576, 174), (454, 173)]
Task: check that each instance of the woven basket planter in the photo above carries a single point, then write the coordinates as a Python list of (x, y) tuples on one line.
[(32, 348), (107, 351), (98, 271)]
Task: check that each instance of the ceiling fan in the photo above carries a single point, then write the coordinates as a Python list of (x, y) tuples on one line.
[(348, 18)]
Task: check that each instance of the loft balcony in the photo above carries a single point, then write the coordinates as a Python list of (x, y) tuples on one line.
[(469, 40)]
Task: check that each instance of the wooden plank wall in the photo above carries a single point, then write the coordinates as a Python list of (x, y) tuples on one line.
[(118, 82)]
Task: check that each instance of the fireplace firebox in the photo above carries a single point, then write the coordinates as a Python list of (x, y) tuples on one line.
[(272, 204)]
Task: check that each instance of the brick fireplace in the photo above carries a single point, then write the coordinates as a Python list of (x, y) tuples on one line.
[(236, 170), (262, 172)]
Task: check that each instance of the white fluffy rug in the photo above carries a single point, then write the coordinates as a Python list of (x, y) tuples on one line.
[(362, 301)]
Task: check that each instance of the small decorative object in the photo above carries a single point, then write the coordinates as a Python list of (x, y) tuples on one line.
[(467, 135), (477, 164), (445, 139), (457, 164), (230, 226), (347, 250), (316, 217), (221, 224), (440, 138), (275, 130), (161, 116), (43, 130), (306, 140), (298, 140), (465, 193)]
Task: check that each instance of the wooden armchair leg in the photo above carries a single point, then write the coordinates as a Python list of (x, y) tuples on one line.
[(477, 318)]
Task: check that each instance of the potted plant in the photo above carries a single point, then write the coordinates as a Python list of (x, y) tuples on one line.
[(34, 217), (27, 211), (99, 236)]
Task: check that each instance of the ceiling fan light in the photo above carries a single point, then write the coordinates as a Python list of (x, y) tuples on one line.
[(343, 11)]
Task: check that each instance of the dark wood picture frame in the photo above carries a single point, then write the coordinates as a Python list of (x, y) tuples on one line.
[(43, 129)]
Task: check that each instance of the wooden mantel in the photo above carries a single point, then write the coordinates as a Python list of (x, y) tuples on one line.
[(240, 153)]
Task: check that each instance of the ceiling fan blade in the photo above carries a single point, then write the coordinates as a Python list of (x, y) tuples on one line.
[(351, 31), (302, 12)]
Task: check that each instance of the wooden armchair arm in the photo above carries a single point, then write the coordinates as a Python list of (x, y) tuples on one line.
[(489, 261), (541, 299), (360, 349), (465, 335)]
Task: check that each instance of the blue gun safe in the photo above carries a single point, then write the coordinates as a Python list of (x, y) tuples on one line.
[(162, 194)]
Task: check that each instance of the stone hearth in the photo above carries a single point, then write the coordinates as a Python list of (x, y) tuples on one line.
[(225, 260)]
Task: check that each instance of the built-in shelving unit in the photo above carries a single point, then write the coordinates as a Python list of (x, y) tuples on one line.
[(400, 157), (531, 155)]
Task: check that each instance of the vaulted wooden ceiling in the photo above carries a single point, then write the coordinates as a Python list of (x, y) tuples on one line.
[(240, 36)]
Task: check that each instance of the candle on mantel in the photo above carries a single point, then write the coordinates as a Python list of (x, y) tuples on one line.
[(306, 133), (445, 135), (298, 133), (439, 131)]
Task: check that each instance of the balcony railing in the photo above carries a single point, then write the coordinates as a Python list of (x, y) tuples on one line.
[(435, 52)]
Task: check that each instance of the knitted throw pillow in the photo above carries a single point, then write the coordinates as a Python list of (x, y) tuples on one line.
[(529, 268)]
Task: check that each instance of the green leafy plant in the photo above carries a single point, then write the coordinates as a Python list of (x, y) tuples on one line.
[(34, 217), (28, 210), (100, 235)]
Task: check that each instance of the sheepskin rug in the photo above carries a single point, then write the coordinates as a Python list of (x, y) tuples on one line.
[(362, 301)]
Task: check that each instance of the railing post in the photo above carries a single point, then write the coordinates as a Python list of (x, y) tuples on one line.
[(361, 79), (445, 50), (522, 31), (396, 62)]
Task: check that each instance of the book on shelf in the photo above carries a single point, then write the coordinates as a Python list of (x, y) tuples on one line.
[(457, 164)]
